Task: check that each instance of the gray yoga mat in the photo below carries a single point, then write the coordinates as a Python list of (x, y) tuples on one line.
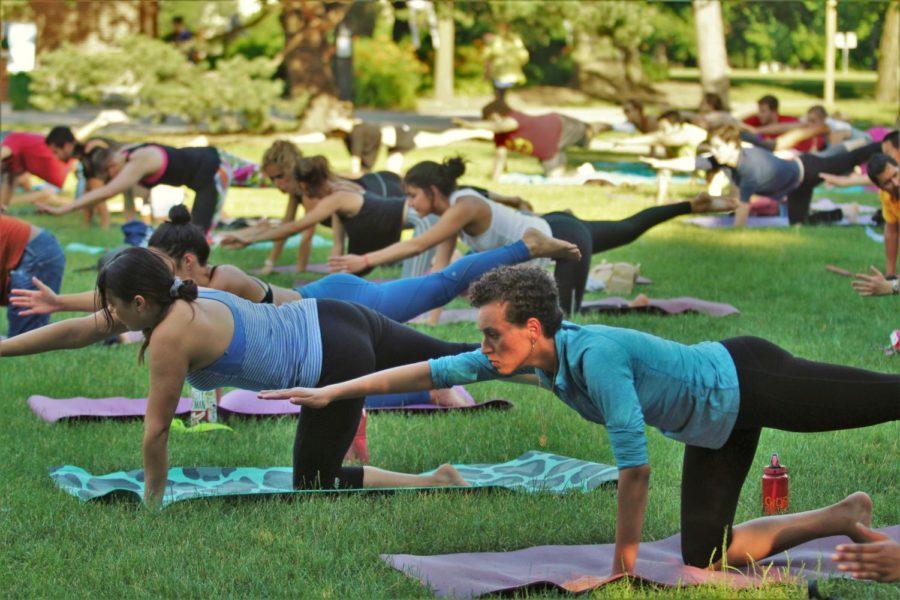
[(583, 568)]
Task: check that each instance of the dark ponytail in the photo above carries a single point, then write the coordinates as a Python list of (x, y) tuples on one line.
[(443, 176), (142, 272), (60, 136), (96, 163), (178, 236), (314, 171)]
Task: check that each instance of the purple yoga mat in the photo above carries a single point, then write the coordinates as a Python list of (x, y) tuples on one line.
[(52, 410), (671, 306), (583, 568), (236, 402)]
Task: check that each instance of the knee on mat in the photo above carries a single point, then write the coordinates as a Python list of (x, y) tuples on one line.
[(701, 556)]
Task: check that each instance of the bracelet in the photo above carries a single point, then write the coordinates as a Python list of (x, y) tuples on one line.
[(895, 287)]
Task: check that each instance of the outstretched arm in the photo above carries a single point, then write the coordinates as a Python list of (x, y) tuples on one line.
[(408, 378), (450, 223), (129, 176), (62, 335), (104, 118), (44, 301), (504, 125), (323, 210), (290, 214)]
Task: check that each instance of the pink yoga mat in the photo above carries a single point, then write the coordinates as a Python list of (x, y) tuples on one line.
[(583, 568), (672, 306), (235, 403)]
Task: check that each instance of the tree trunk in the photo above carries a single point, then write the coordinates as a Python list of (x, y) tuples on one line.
[(711, 54), (610, 72), (91, 22), (888, 87), (307, 49), (443, 57)]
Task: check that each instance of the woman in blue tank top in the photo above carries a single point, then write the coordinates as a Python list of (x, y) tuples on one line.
[(214, 339), (715, 397), (399, 300)]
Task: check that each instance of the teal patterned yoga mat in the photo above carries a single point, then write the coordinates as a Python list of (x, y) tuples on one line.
[(532, 472)]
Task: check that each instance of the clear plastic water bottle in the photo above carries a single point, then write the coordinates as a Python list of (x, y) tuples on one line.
[(203, 406)]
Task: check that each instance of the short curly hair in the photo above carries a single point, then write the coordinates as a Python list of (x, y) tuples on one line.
[(527, 290)]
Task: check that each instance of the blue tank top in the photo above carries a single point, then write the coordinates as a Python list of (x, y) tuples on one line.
[(273, 347)]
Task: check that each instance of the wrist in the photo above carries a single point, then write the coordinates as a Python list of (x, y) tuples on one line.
[(366, 260), (895, 287)]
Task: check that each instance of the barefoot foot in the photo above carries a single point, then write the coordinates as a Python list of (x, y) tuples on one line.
[(704, 203), (855, 508), (543, 246), (448, 475)]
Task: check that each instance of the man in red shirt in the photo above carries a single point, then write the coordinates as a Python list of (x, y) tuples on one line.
[(21, 153), (768, 115), (27, 253), (545, 137)]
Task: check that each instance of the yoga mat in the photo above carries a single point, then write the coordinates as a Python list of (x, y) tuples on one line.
[(52, 410), (238, 403), (610, 177), (725, 221), (584, 568), (672, 306), (533, 471)]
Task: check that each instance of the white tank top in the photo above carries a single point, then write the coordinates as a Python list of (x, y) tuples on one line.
[(507, 226)]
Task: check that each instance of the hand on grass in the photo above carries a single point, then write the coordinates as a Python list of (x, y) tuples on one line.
[(51, 209), (42, 301), (309, 397), (874, 284), (877, 560), (348, 263)]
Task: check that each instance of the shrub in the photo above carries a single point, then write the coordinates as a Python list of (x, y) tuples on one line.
[(151, 78), (386, 74)]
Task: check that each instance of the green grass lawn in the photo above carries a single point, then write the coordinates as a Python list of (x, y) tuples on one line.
[(53, 545)]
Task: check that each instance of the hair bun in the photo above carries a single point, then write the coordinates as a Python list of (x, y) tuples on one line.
[(454, 167), (179, 215)]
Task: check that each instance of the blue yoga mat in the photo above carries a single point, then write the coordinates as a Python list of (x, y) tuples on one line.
[(533, 471)]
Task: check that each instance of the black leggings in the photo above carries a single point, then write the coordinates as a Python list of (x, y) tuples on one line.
[(813, 166), (779, 391), (592, 237), (356, 341)]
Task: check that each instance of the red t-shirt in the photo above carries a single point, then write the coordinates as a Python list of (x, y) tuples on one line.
[(536, 136), (31, 155), (14, 236), (804, 146)]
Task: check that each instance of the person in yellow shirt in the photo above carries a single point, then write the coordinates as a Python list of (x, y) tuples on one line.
[(884, 173)]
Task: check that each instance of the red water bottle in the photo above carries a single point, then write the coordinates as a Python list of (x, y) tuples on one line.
[(775, 488)]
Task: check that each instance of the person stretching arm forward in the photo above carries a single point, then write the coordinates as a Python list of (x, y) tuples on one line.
[(715, 397), (214, 339)]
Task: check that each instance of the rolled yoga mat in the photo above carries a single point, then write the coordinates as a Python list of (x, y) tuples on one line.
[(583, 568), (235, 403), (533, 471), (672, 306)]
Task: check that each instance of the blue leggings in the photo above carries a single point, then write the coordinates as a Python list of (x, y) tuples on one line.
[(404, 299)]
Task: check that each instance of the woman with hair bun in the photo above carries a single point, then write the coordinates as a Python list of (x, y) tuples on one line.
[(214, 339), (484, 224)]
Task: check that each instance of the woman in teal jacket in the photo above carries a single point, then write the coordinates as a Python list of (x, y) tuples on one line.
[(714, 397)]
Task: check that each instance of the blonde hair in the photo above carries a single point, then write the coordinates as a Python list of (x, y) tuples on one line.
[(283, 154)]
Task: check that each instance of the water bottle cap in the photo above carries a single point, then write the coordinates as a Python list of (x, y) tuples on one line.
[(775, 468)]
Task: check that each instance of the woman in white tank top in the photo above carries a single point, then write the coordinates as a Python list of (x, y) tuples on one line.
[(483, 225)]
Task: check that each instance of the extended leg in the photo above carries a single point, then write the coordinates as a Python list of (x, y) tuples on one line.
[(606, 235)]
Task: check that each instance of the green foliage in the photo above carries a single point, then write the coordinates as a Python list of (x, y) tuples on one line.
[(153, 79), (387, 74), (265, 38)]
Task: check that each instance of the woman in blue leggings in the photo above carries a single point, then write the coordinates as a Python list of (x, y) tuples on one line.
[(399, 300)]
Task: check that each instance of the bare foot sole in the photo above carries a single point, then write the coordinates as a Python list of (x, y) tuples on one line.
[(448, 475), (857, 508), (543, 246), (704, 203)]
